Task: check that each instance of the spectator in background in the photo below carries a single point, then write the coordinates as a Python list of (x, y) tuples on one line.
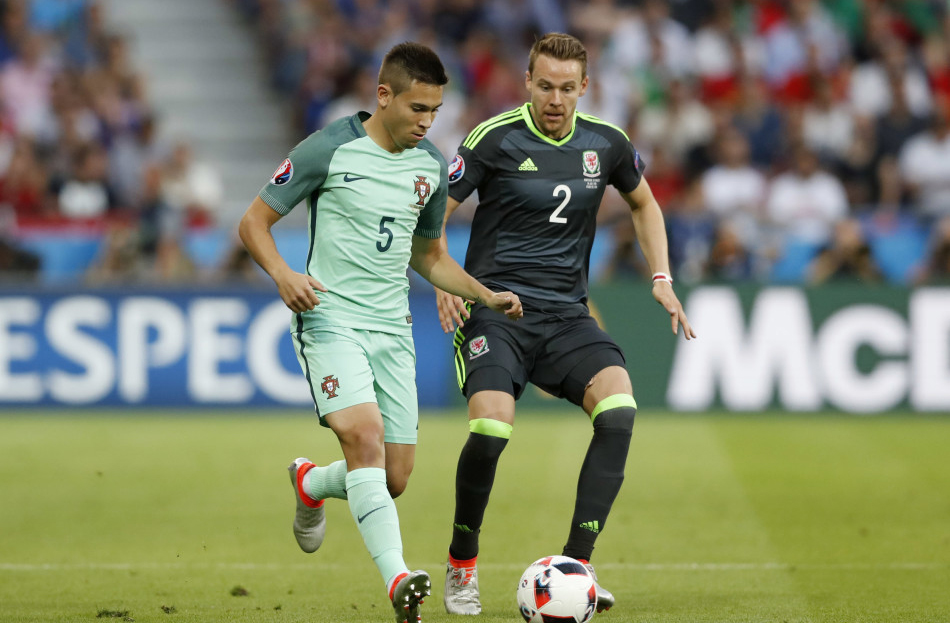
[(86, 194), (25, 83), (691, 229), (192, 189), (358, 96), (803, 42), (733, 189), (16, 263), (729, 257), (899, 123), (23, 187), (806, 201), (14, 24), (760, 121), (719, 56), (846, 257), (925, 164), (871, 90), (632, 49), (130, 154), (936, 268), (827, 124), (856, 167), (682, 124), (71, 125), (85, 44), (935, 55)]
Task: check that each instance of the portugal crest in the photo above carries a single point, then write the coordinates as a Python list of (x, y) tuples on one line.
[(329, 386), (591, 164), (423, 189)]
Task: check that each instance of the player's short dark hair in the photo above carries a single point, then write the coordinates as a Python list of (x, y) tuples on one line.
[(559, 46), (411, 61)]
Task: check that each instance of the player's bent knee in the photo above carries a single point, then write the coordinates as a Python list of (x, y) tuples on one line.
[(611, 380), (490, 428), (615, 412)]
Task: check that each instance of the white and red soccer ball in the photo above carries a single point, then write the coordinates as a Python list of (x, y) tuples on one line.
[(557, 589)]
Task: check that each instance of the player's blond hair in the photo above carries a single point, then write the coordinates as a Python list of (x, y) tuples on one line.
[(561, 47)]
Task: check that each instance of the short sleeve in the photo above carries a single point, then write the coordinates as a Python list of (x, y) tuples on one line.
[(627, 173), (431, 217), (300, 174), (466, 172)]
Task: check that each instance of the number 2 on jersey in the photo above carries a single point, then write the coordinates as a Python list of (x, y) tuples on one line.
[(567, 197), (384, 246)]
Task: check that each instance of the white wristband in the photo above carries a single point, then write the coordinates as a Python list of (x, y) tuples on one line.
[(662, 277)]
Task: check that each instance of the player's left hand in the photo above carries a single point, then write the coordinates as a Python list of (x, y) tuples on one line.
[(664, 295), (452, 310), (506, 303)]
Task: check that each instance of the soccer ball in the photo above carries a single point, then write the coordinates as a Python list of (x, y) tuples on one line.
[(557, 589)]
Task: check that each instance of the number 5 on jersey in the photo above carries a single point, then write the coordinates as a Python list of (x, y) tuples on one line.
[(384, 246)]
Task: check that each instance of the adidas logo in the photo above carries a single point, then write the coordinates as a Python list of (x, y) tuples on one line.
[(528, 165), (463, 528), (593, 526)]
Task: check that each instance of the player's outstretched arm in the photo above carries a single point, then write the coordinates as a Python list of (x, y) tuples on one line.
[(452, 309), (436, 266), (295, 289), (651, 234)]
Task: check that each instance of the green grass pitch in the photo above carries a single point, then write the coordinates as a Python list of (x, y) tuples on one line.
[(186, 518)]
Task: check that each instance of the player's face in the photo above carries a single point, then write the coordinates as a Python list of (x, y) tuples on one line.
[(408, 116), (555, 86)]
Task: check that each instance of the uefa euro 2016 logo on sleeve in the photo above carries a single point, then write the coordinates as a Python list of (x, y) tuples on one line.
[(456, 169), (283, 173)]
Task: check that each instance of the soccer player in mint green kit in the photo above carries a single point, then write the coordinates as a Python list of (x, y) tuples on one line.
[(376, 192)]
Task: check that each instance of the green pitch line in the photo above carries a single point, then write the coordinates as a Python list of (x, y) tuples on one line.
[(186, 518)]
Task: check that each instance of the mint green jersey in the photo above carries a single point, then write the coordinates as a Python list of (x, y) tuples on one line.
[(364, 205)]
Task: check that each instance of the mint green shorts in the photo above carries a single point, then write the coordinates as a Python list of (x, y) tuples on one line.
[(347, 367)]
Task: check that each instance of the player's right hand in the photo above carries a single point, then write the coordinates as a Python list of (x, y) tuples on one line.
[(507, 303), (452, 310), (299, 291)]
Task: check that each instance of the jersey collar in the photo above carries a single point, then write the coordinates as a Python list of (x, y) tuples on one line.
[(529, 120)]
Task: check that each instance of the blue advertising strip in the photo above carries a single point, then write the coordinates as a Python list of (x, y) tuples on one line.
[(183, 348)]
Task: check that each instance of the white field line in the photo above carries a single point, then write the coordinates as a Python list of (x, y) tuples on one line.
[(634, 567)]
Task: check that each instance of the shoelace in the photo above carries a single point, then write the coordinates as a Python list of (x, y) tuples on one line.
[(463, 576), (462, 579)]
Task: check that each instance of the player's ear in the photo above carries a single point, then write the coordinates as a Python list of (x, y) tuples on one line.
[(527, 80), (583, 88), (384, 95)]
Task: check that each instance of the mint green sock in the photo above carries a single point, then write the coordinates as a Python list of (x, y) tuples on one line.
[(375, 515), (326, 482)]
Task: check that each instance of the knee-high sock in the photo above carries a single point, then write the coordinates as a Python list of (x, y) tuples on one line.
[(326, 482), (473, 482), (375, 515), (602, 473)]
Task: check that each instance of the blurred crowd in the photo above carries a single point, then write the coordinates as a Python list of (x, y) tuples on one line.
[(79, 148), (798, 139), (786, 140)]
